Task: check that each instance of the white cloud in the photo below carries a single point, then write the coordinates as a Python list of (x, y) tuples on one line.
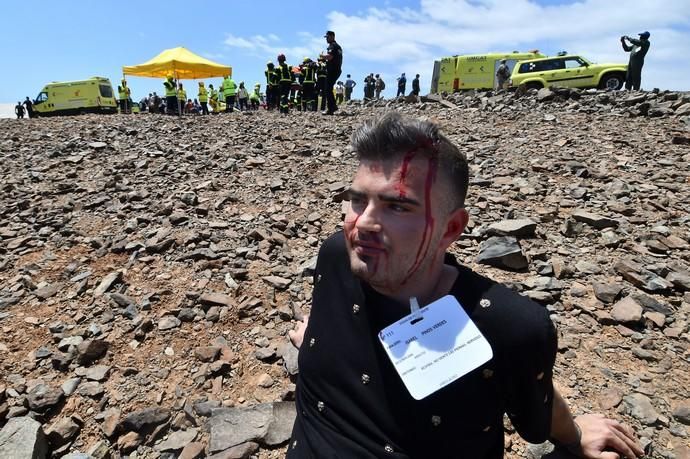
[(392, 40)]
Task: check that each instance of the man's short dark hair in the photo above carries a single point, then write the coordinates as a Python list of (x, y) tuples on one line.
[(392, 137)]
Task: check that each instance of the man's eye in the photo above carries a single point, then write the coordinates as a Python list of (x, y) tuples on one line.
[(397, 208)]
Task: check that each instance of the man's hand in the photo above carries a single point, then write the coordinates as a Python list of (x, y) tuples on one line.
[(601, 436), (297, 335)]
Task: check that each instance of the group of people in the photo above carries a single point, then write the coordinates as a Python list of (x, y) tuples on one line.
[(301, 86), (229, 94), (374, 85), (26, 106)]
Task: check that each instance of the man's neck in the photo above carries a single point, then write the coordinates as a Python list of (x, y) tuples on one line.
[(435, 285)]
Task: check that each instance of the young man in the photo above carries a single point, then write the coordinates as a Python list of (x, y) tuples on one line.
[(415, 85), (406, 208), (402, 83), (349, 86)]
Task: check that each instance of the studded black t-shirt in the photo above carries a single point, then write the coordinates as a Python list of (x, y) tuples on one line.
[(351, 403)]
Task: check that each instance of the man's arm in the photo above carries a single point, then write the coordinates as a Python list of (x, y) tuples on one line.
[(591, 436), (297, 335), (627, 48)]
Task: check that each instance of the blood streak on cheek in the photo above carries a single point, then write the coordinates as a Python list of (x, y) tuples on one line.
[(423, 248), (350, 228)]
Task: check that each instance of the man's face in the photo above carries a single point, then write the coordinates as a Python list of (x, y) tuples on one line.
[(330, 38), (395, 225)]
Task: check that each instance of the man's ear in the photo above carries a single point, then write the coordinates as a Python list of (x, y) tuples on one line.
[(455, 225)]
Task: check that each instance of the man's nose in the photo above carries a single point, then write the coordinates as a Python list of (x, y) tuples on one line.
[(369, 219)]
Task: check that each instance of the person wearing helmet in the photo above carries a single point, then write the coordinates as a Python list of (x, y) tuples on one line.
[(203, 98), (285, 80), (638, 50), (308, 84), (170, 86)]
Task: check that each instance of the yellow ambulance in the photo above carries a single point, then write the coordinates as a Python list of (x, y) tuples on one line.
[(473, 71), (94, 95)]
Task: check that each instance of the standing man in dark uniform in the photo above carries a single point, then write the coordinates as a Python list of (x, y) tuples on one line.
[(272, 86), (334, 65), (308, 85), (638, 50), (407, 206), (29, 107), (415, 85)]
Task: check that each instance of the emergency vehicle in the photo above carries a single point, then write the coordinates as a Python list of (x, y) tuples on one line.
[(94, 95), (473, 71)]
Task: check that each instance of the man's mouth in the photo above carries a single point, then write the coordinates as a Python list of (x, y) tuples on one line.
[(368, 248)]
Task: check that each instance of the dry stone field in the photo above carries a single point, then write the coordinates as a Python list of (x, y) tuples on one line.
[(151, 266)]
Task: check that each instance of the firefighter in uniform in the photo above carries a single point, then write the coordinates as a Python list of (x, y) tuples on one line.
[(170, 95), (321, 75), (285, 75), (229, 89), (255, 97), (272, 86), (309, 85), (213, 98), (181, 97), (203, 98)]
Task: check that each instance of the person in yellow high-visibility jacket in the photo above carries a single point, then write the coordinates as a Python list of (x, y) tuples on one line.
[(229, 89), (181, 97), (213, 98), (203, 98), (170, 95)]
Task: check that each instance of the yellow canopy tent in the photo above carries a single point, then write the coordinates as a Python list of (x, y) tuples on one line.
[(181, 63)]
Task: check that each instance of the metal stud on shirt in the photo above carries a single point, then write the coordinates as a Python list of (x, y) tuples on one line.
[(294, 444), (312, 342), (540, 376), (365, 378), (320, 406), (388, 448), (484, 303), (355, 308), (318, 278), (487, 373), (436, 420), (487, 428)]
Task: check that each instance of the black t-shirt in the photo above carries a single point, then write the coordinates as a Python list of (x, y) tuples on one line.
[(335, 64), (351, 403)]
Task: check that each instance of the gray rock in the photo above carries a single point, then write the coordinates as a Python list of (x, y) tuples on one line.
[(502, 252), (243, 451), (627, 310), (145, 419), (177, 440), (681, 413), (681, 281), (289, 354), (23, 438), (214, 298), (207, 353), (69, 386), (606, 292), (65, 343), (267, 423), (91, 350), (519, 228), (640, 277), (99, 450), (46, 292), (278, 282), (545, 95), (168, 323), (640, 407), (62, 431), (206, 407), (91, 389), (106, 283), (43, 397), (98, 373), (121, 300), (594, 220)]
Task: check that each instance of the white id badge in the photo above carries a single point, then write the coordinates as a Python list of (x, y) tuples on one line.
[(434, 346)]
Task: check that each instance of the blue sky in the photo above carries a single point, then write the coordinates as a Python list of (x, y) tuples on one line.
[(48, 41)]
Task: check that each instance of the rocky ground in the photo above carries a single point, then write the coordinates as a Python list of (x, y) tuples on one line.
[(150, 267)]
